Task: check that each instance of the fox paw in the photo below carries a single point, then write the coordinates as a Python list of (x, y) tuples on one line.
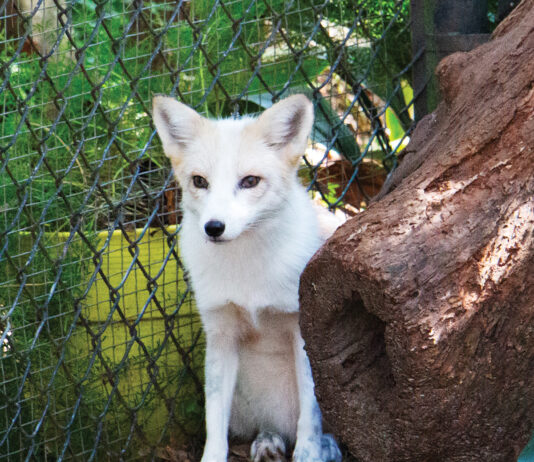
[(320, 449), (330, 449), (210, 458), (308, 451), (268, 447), (212, 454)]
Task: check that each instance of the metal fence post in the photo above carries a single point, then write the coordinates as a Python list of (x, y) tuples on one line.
[(439, 28)]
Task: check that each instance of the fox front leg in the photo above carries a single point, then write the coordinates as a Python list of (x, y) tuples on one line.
[(311, 445), (220, 372)]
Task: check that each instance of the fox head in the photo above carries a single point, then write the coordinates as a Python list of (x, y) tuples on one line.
[(234, 174)]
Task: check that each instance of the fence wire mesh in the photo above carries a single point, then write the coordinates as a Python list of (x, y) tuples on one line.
[(101, 348)]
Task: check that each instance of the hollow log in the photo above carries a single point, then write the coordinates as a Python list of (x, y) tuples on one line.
[(418, 314)]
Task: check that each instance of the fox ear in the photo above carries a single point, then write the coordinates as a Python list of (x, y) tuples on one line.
[(287, 124), (176, 124)]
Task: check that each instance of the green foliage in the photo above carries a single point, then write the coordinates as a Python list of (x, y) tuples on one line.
[(381, 59), (99, 116), (493, 16), (36, 376), (386, 23), (91, 125)]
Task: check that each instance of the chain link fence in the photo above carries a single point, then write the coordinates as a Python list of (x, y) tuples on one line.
[(100, 345)]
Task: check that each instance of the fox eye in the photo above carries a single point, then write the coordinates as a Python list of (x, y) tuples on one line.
[(200, 182), (249, 182)]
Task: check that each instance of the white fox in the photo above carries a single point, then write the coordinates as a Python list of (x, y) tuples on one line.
[(248, 230)]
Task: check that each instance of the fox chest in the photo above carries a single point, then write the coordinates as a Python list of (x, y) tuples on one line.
[(270, 332), (250, 285), (252, 281)]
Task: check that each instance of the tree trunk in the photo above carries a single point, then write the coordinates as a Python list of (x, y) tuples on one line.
[(418, 314)]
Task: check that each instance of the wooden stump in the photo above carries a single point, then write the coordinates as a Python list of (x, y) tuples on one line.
[(418, 314)]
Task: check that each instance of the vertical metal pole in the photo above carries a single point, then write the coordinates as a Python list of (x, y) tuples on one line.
[(439, 28)]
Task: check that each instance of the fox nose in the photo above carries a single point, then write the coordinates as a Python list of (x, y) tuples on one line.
[(214, 228)]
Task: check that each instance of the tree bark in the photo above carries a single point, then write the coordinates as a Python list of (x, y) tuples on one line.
[(418, 314)]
